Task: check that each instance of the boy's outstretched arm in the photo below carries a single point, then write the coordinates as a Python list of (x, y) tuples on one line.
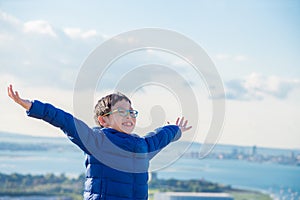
[(14, 95), (76, 130), (162, 136)]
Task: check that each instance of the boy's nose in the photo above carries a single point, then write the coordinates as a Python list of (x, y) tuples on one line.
[(128, 116)]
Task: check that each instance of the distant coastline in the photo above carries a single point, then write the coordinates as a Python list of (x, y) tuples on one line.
[(20, 142), (233, 165), (54, 187)]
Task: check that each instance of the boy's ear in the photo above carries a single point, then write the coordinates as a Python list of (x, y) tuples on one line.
[(103, 121)]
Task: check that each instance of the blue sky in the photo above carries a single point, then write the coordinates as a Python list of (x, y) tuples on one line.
[(255, 46)]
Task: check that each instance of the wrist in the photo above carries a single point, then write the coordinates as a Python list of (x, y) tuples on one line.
[(27, 105)]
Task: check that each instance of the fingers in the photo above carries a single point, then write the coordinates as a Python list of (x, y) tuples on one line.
[(14, 95), (182, 124), (185, 123), (10, 92), (9, 88), (178, 118), (185, 126), (188, 128), (17, 95), (181, 121)]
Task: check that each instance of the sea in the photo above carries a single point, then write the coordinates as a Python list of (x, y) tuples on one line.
[(39, 155)]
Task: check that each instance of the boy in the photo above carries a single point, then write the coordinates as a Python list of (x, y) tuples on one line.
[(116, 160)]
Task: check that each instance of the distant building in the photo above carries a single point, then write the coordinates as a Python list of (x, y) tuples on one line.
[(192, 196), (254, 150)]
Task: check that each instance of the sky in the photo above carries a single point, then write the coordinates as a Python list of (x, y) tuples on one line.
[(254, 46)]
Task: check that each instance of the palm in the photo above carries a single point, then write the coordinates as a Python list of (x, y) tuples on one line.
[(14, 95)]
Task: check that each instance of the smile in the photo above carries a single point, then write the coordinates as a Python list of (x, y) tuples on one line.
[(129, 124)]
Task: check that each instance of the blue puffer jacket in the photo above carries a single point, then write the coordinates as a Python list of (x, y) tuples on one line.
[(116, 163)]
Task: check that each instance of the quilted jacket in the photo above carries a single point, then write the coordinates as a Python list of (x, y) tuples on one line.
[(116, 163)]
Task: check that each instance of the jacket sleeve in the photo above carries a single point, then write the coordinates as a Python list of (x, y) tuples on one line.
[(161, 137), (76, 130)]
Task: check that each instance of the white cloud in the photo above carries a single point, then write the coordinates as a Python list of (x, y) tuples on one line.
[(257, 86), (5, 17), (73, 32), (59, 58), (39, 27), (77, 33), (9, 27), (88, 34), (271, 123)]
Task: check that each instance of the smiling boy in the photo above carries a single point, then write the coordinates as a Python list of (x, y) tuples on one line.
[(106, 108), (117, 160)]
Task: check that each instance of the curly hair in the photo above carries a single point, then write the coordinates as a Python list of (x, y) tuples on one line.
[(105, 103)]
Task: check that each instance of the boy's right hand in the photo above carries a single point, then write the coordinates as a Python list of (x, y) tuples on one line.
[(14, 95)]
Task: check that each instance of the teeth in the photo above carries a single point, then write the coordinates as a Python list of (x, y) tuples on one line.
[(127, 124)]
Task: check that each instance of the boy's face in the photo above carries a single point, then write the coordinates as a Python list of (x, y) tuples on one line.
[(116, 121)]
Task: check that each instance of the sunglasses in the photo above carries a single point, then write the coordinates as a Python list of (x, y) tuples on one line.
[(123, 112)]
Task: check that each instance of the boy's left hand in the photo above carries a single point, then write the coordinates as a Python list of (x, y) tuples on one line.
[(182, 124)]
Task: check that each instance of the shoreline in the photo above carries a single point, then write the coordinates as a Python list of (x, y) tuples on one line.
[(253, 189), (61, 187)]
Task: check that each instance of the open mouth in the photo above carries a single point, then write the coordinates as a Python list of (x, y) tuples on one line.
[(127, 124)]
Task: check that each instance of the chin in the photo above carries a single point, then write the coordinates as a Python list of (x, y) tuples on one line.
[(128, 131)]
